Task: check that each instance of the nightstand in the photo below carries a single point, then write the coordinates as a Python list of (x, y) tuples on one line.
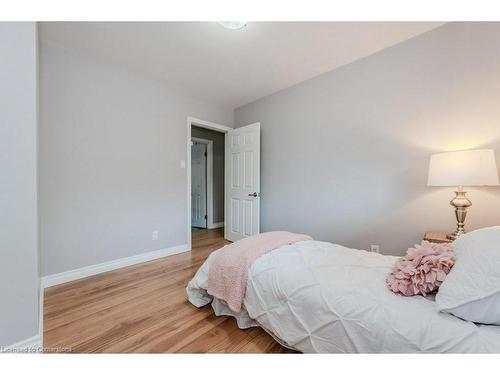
[(436, 237)]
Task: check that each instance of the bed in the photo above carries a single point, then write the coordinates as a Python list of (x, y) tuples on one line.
[(317, 297)]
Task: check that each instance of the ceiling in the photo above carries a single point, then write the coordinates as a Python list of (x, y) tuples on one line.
[(230, 68)]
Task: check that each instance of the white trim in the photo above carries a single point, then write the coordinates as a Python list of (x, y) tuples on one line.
[(226, 179), (210, 178), (216, 225), (30, 345), (79, 273), (207, 125), (41, 301)]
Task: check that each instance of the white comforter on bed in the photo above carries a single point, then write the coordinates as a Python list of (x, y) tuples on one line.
[(318, 297)]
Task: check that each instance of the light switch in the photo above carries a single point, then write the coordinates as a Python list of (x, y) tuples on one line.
[(183, 164)]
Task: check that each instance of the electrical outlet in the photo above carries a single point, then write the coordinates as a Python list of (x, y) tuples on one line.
[(375, 248), (154, 235)]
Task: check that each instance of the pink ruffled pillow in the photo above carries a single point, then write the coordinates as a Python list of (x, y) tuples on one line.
[(422, 270)]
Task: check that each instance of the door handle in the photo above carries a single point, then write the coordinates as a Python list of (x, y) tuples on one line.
[(255, 195)]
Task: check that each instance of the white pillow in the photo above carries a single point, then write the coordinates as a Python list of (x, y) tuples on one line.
[(471, 290)]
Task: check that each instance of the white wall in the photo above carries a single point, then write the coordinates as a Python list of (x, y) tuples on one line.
[(19, 274), (345, 155), (111, 141)]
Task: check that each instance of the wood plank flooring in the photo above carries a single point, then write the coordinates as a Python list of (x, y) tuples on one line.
[(143, 309)]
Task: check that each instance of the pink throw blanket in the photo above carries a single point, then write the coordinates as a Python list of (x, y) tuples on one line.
[(227, 275)]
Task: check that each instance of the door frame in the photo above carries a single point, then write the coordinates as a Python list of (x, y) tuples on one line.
[(209, 199), (207, 125)]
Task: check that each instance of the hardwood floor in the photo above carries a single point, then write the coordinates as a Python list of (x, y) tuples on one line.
[(143, 309)]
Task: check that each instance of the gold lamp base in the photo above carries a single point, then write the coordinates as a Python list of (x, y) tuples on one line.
[(461, 204)]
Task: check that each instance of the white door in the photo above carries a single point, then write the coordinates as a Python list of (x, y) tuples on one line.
[(243, 182), (199, 185)]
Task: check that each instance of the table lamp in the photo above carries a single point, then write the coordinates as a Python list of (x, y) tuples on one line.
[(462, 168)]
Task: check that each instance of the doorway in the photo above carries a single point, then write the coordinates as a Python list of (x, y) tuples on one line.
[(239, 205), (199, 183), (206, 179)]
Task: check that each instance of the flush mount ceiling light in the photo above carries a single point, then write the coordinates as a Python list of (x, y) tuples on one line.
[(233, 25)]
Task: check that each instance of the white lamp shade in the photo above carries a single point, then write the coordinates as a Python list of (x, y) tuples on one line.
[(463, 168)]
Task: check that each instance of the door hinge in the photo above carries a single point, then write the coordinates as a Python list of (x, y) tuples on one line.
[(206, 217), (205, 153)]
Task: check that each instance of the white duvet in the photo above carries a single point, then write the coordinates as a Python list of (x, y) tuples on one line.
[(316, 297)]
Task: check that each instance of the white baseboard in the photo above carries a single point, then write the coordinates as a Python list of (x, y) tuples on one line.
[(216, 225), (30, 345), (79, 273), (41, 299)]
